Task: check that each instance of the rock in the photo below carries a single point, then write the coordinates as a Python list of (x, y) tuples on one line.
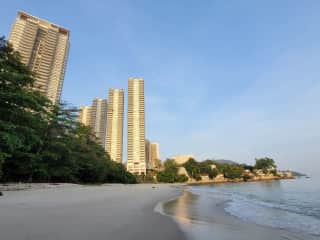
[(1, 194)]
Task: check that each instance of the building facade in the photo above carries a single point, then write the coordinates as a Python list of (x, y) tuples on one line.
[(85, 115), (98, 119), (114, 134), (181, 159), (44, 48), (147, 148), (136, 155), (154, 155)]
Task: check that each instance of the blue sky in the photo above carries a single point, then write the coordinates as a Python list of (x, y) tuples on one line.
[(224, 79)]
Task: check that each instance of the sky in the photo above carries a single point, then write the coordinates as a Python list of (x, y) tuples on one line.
[(223, 79)]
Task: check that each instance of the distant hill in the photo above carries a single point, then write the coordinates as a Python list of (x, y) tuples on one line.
[(226, 161)]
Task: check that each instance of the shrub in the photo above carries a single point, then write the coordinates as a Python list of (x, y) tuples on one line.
[(181, 178), (166, 177)]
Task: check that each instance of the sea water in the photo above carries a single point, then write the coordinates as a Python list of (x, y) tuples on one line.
[(288, 204), (292, 205)]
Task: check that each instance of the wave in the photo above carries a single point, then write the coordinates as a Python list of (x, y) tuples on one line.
[(290, 212)]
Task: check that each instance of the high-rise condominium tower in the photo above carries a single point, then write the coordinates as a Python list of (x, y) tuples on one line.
[(147, 148), (154, 155), (98, 119), (136, 156), (114, 139), (43, 47), (85, 115)]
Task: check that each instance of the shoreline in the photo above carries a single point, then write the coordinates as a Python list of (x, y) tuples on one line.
[(195, 183), (201, 217), (13, 186), (112, 211), (118, 211)]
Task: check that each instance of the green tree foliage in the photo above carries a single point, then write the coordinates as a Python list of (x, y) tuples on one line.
[(193, 168), (181, 178), (265, 164), (196, 169), (166, 176), (170, 173), (205, 168), (231, 171), (248, 167), (41, 142), (171, 165), (23, 114)]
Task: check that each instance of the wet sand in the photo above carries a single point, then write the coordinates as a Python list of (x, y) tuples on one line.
[(109, 212), (205, 218)]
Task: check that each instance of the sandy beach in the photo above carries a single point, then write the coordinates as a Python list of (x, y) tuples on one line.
[(78, 212), (116, 211)]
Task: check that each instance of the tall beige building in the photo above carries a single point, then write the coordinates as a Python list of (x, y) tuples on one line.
[(43, 47), (114, 138), (147, 148), (98, 119), (85, 115), (154, 155), (136, 155)]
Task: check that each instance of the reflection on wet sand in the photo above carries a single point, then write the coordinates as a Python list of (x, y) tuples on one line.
[(180, 207), (201, 215)]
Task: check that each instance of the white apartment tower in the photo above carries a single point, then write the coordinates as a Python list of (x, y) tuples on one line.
[(147, 148), (98, 119), (154, 155), (136, 155), (85, 115), (114, 135), (43, 47)]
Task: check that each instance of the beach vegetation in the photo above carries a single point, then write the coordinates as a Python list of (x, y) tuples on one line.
[(41, 141), (196, 169), (247, 167), (193, 169), (265, 164), (181, 178), (170, 173), (157, 164), (231, 171)]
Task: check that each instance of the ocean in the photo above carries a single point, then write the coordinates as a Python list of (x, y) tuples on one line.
[(290, 206)]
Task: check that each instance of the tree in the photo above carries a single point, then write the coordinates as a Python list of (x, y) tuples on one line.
[(166, 176), (247, 167), (181, 178), (40, 141), (231, 171), (193, 168), (213, 173), (170, 164), (157, 164), (170, 173), (206, 168), (265, 164), (23, 115)]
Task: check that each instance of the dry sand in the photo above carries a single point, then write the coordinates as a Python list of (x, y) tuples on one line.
[(108, 212)]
